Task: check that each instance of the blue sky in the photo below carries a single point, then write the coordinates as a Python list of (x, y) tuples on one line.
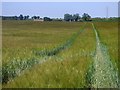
[(58, 9)]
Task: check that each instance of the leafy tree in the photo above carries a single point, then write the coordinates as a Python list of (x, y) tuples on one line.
[(38, 17), (27, 16), (34, 17), (76, 17), (86, 17), (71, 18), (15, 17), (47, 19), (68, 17), (21, 17)]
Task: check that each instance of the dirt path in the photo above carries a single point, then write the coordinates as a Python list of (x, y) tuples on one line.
[(104, 74)]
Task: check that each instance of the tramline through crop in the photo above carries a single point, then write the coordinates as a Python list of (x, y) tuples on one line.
[(102, 73)]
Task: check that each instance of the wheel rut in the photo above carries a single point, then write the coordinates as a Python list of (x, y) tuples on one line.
[(104, 74)]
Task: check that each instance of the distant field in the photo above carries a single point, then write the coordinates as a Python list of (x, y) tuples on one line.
[(67, 49)]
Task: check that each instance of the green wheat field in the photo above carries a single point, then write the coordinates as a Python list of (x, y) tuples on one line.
[(59, 54)]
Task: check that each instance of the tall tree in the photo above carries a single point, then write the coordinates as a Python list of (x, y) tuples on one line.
[(21, 17), (15, 17), (68, 17), (27, 17), (76, 17), (34, 17), (47, 19), (38, 17), (86, 17)]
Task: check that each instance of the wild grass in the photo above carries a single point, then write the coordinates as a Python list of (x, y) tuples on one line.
[(108, 34), (67, 69), (16, 66)]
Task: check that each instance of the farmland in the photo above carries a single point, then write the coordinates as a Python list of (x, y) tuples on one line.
[(58, 54)]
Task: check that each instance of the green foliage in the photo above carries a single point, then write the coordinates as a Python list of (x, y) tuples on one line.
[(86, 17), (76, 17), (68, 17)]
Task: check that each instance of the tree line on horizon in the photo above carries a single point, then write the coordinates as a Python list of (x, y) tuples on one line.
[(67, 17)]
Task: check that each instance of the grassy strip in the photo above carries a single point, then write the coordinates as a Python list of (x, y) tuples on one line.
[(109, 37), (15, 67), (104, 74)]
